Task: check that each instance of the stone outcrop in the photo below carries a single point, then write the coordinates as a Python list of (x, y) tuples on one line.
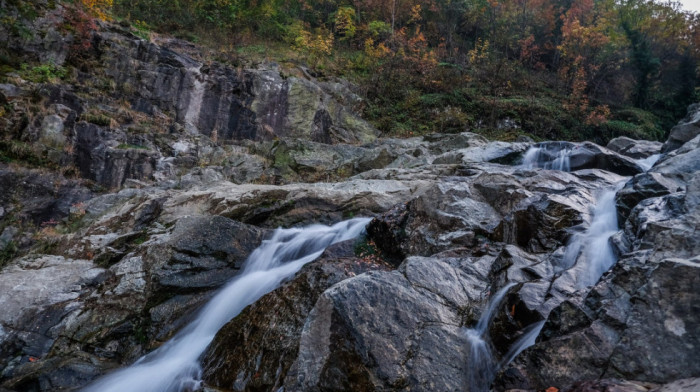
[(636, 149), (686, 130)]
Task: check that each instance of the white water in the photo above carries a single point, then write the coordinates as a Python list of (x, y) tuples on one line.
[(175, 365), (526, 340), (590, 253), (649, 161), (481, 359), (547, 158)]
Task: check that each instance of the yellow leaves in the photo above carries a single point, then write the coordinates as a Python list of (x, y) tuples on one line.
[(320, 43), (480, 51), (376, 52), (415, 14), (345, 22), (98, 8)]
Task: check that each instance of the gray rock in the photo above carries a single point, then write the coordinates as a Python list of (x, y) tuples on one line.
[(615, 341), (232, 363), (682, 161), (636, 149), (207, 252), (644, 186), (687, 129), (52, 131), (227, 104), (390, 330)]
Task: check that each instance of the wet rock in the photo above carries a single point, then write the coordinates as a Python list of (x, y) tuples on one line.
[(256, 349), (636, 149), (390, 330), (644, 186), (683, 161), (207, 251), (636, 301), (36, 293)]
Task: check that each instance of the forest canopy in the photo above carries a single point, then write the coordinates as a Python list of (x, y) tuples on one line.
[(585, 69)]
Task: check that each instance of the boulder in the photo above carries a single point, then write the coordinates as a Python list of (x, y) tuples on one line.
[(578, 156), (256, 349), (391, 330), (611, 335), (636, 149)]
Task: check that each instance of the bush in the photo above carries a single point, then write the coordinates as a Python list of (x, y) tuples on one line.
[(45, 73)]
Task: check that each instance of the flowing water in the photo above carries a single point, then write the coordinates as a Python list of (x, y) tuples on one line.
[(175, 365), (483, 366), (554, 157), (648, 162), (590, 253)]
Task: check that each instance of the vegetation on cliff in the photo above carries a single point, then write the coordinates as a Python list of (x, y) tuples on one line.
[(551, 69), (556, 68)]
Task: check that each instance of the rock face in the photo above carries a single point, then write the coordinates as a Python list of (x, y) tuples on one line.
[(636, 149), (687, 129), (229, 104)]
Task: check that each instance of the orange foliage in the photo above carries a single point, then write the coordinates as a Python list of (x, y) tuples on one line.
[(98, 8)]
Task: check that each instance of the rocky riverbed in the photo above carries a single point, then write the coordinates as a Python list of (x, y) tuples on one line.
[(180, 174)]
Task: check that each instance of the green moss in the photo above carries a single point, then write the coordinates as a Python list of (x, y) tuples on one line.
[(44, 73)]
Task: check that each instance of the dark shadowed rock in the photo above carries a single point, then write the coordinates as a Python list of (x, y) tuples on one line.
[(256, 349), (687, 129)]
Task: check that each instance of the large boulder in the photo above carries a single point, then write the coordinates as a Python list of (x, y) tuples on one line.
[(392, 330), (636, 149), (256, 349)]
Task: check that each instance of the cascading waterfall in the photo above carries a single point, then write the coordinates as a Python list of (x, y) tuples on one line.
[(649, 161), (593, 252), (526, 340), (175, 365), (547, 158), (483, 366)]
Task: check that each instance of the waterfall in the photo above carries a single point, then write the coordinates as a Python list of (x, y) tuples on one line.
[(526, 340), (649, 161), (551, 157), (175, 365), (589, 254), (483, 366)]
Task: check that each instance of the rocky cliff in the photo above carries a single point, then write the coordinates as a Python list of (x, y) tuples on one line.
[(139, 186)]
